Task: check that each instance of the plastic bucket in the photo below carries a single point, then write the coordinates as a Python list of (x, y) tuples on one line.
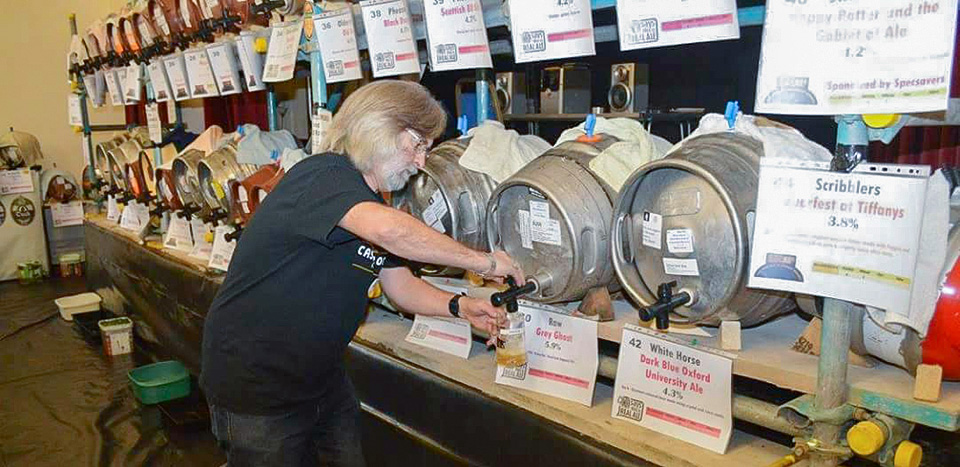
[(75, 304), (117, 335), (160, 382)]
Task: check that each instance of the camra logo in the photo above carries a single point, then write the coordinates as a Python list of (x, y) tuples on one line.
[(23, 211)]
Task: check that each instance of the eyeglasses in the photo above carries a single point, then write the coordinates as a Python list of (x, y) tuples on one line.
[(421, 145)]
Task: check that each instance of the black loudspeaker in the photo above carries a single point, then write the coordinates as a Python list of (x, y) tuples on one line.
[(565, 89), (629, 87), (511, 89)]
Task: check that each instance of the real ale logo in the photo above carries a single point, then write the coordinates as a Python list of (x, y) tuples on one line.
[(23, 211)]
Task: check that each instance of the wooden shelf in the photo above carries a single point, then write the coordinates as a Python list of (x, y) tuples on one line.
[(674, 115)]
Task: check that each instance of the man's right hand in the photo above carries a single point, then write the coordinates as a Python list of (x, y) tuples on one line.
[(506, 266)]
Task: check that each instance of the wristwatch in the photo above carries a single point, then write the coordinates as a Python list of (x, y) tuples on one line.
[(455, 305)]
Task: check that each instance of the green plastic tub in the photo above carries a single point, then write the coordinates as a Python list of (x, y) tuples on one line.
[(160, 382)]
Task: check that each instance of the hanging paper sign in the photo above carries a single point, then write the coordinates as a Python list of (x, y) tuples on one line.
[(456, 35), (551, 29), (223, 59), (282, 52), (671, 388), (114, 88), (222, 251), (393, 50), (251, 62), (159, 81), (73, 110), (153, 123), (178, 236), (644, 24), (15, 181), (176, 71), (131, 86), (562, 356), (826, 57), (338, 45), (113, 209), (448, 335), (320, 122), (200, 74), (853, 237), (201, 246), (67, 214), (92, 85)]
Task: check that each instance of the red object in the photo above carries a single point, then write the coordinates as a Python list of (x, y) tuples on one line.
[(942, 344)]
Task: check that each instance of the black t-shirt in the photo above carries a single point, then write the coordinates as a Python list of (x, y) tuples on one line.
[(295, 293)]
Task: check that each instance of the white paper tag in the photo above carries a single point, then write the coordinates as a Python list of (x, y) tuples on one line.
[(15, 181), (525, 241), (251, 62), (114, 88), (178, 235), (159, 81), (680, 240), (448, 335), (393, 51), (825, 57), (320, 123), (681, 267), (176, 71), (643, 24), (67, 214), (201, 247), (160, 20), (113, 210), (200, 74), (94, 90), (132, 87), (545, 230), (223, 59), (652, 230), (73, 110), (551, 29), (674, 389), (222, 251), (129, 218), (562, 356), (434, 212), (539, 209), (338, 45), (457, 36), (153, 122), (282, 52)]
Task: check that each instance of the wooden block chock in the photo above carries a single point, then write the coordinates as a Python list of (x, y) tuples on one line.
[(730, 335), (597, 305), (926, 387)]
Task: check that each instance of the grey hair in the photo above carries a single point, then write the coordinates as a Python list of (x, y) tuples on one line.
[(368, 125)]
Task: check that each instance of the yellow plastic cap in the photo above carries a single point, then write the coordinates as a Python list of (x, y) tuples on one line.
[(208, 237), (866, 438), (881, 120), (260, 45), (909, 454)]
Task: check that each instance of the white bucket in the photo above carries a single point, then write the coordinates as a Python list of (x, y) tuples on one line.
[(117, 334), (75, 304)]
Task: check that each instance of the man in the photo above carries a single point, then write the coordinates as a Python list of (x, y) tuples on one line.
[(296, 291)]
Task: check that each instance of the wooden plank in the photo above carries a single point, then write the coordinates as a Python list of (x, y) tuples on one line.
[(101, 221), (386, 332)]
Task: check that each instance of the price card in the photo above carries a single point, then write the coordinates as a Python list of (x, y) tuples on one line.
[(551, 29), (393, 51), (251, 62), (853, 237), (674, 389), (223, 58), (829, 57), (200, 74), (131, 85), (114, 88), (113, 210), (67, 214), (201, 247), (73, 110), (177, 72), (338, 45), (178, 235), (222, 250), (644, 24), (153, 122), (456, 35), (129, 218), (561, 356), (319, 128), (15, 181), (94, 90), (448, 335), (282, 53), (158, 78)]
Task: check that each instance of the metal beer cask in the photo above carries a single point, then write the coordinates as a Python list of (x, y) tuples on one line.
[(216, 171), (705, 192), (185, 178)]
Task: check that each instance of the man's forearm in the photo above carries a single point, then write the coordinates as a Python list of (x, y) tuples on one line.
[(414, 295)]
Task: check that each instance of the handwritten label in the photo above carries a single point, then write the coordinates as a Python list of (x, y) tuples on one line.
[(457, 37), (15, 181), (223, 59), (158, 79), (448, 335), (561, 356), (177, 72), (282, 53), (200, 74), (251, 62), (73, 110), (680, 240), (321, 120), (674, 389), (338, 45), (644, 24), (551, 29), (222, 251), (393, 51), (178, 236), (67, 214), (153, 122), (829, 57)]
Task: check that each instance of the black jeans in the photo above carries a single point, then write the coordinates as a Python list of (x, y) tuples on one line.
[(324, 434)]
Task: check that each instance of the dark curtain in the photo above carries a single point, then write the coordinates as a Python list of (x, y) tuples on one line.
[(231, 111)]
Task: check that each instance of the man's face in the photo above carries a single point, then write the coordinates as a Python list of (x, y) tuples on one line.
[(397, 170)]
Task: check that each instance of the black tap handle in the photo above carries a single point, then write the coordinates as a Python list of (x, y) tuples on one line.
[(666, 303), (159, 210), (234, 235), (511, 294)]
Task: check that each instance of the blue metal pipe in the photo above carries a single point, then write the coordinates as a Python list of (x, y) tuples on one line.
[(318, 77), (157, 158), (483, 96), (272, 121)]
